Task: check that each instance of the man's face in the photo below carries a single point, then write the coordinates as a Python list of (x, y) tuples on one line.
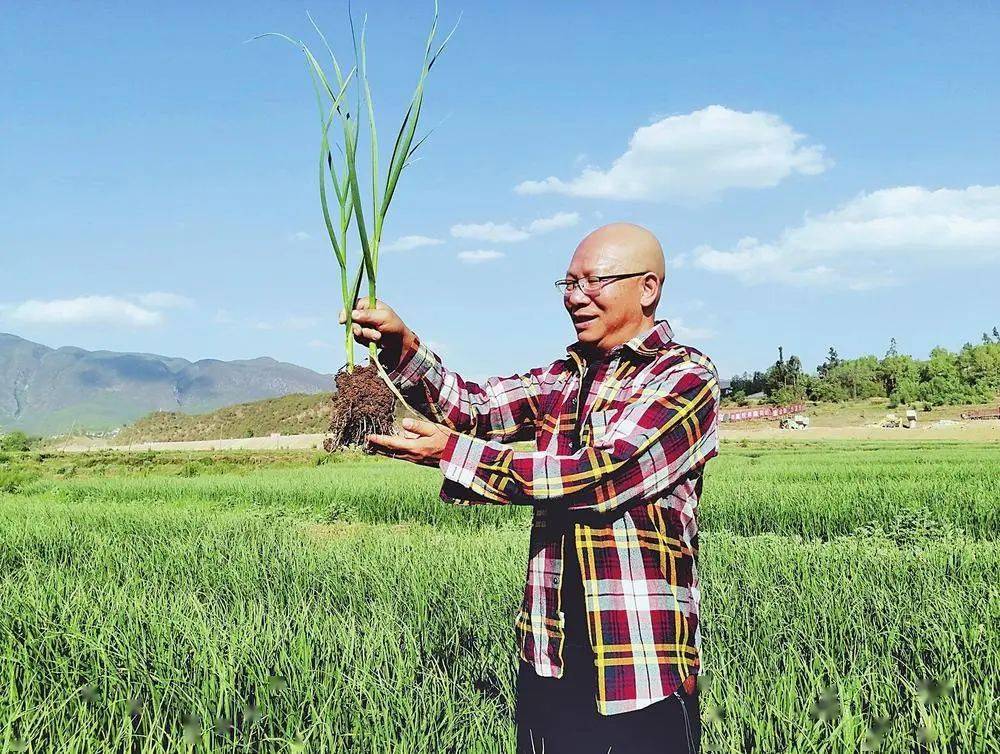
[(602, 317)]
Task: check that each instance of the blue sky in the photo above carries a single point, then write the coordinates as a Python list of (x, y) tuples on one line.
[(822, 175)]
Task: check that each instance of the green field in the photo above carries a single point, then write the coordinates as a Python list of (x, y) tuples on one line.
[(296, 602)]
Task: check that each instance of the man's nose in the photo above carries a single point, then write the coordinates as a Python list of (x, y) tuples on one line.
[(577, 297)]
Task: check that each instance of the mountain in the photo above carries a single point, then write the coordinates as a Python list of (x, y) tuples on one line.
[(51, 390)]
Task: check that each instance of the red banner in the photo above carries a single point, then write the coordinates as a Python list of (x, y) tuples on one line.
[(758, 412)]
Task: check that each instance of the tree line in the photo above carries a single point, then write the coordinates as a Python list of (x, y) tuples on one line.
[(945, 378)]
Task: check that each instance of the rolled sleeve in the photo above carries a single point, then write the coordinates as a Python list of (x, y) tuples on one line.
[(415, 361), (666, 433)]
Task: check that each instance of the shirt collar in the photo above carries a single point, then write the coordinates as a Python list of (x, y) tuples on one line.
[(648, 343)]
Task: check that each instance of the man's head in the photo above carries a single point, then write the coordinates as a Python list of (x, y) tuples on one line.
[(622, 308)]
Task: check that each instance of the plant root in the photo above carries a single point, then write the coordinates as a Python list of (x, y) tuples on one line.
[(362, 405)]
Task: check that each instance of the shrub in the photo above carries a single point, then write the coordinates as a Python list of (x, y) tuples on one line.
[(15, 441), (13, 481)]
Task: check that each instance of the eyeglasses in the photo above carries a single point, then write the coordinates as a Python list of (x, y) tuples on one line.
[(592, 284)]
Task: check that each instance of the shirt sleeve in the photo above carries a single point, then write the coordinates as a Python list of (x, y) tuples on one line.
[(666, 432), (502, 409)]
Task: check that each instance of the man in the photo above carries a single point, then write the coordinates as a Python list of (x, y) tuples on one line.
[(608, 628)]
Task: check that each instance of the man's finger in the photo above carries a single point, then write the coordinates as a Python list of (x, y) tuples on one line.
[(368, 317), (393, 442), (362, 303), (421, 428)]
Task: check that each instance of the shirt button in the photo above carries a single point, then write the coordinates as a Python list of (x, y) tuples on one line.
[(555, 581)]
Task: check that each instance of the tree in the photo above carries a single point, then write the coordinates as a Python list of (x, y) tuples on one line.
[(858, 377), (793, 370), (979, 366), (900, 375), (748, 384), (832, 362), (942, 383)]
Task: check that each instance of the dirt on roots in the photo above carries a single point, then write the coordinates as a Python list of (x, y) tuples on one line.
[(363, 404)]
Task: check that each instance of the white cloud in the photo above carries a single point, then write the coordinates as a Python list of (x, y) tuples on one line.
[(676, 261), (223, 317), (694, 157), (163, 300), (316, 343), (557, 221), (508, 233), (84, 310), (494, 232), (873, 240), (407, 243), (479, 255), (299, 235), (683, 331)]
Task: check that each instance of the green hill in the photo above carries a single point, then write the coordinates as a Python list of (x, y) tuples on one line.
[(294, 414)]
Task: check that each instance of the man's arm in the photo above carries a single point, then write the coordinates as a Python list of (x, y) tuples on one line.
[(500, 409), (666, 432)]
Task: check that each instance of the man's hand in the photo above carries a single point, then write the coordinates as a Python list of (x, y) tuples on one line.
[(422, 442), (381, 326)]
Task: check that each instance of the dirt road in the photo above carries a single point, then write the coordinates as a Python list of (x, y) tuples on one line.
[(286, 442), (973, 431)]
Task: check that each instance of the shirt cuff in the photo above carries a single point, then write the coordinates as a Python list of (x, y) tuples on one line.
[(460, 458), (459, 463), (415, 361)]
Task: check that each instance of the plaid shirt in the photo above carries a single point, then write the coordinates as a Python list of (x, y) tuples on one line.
[(626, 464)]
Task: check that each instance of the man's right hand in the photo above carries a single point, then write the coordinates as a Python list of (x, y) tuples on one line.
[(381, 326)]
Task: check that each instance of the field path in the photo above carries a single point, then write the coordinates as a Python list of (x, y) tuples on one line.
[(279, 442), (973, 431)]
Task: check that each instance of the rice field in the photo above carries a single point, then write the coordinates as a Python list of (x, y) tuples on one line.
[(294, 602)]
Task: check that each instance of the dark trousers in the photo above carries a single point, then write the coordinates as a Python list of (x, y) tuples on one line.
[(561, 715)]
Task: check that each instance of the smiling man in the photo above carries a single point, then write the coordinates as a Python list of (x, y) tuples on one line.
[(608, 630)]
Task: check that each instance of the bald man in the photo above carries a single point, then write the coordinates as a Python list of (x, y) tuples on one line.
[(608, 633)]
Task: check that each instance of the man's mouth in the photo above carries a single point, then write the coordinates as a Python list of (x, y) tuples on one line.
[(582, 320)]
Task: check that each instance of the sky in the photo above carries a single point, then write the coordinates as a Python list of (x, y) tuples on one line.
[(818, 175)]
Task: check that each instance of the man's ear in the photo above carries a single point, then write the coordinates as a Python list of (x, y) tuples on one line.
[(651, 286)]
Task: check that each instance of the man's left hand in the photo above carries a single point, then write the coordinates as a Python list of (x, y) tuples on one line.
[(421, 442)]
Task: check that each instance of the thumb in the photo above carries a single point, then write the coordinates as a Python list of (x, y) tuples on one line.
[(422, 428)]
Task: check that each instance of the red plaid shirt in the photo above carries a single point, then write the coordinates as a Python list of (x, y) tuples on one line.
[(627, 461)]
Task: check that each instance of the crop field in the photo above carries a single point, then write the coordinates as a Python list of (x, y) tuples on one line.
[(270, 602)]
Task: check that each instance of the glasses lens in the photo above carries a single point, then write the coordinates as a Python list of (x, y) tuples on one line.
[(590, 284)]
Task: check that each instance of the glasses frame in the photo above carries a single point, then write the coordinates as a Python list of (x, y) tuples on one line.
[(567, 286)]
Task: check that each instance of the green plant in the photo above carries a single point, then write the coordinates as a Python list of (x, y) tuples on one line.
[(358, 613), (16, 441), (344, 175), (14, 481)]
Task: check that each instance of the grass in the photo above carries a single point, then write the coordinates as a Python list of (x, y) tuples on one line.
[(849, 597)]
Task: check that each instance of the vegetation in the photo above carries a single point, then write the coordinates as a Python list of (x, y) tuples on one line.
[(15, 441), (303, 601), (970, 376), (364, 400), (293, 414)]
